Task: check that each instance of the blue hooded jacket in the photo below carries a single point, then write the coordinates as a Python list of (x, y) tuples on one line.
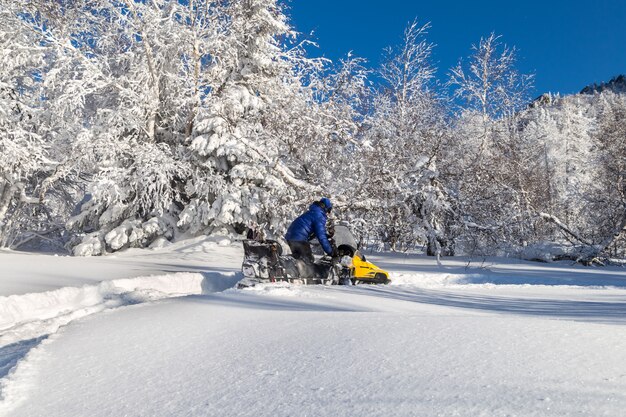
[(310, 224)]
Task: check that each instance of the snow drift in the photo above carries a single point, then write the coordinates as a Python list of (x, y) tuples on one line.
[(29, 316)]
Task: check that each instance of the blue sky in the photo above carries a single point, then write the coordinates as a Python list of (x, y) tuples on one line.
[(566, 44)]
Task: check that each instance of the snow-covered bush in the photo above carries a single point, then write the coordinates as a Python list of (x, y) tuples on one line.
[(135, 196)]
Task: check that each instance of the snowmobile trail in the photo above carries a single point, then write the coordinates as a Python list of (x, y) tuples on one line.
[(29, 319)]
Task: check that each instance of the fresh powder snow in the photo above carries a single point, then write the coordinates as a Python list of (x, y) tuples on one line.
[(165, 332)]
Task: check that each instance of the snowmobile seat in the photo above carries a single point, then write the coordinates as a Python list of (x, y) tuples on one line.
[(269, 249)]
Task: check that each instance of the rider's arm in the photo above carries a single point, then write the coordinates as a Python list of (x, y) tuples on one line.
[(319, 228)]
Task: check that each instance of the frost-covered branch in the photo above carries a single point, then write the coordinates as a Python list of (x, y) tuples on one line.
[(552, 219)]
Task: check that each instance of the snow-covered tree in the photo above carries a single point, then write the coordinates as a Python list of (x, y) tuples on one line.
[(24, 143), (260, 114), (492, 153), (489, 83), (327, 149), (153, 61), (405, 201), (607, 200)]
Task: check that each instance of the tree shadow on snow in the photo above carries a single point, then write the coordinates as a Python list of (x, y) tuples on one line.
[(500, 275), (504, 271), (610, 312)]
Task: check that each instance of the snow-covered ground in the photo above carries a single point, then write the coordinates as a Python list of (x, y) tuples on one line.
[(164, 333)]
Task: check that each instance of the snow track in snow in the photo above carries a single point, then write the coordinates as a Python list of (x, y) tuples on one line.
[(27, 320)]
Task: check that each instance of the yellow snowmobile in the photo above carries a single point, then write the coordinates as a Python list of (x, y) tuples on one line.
[(264, 262)]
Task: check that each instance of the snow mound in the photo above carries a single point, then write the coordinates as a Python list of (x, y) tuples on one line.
[(282, 289), (28, 316), (426, 279)]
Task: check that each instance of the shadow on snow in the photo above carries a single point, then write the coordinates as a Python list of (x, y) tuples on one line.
[(610, 312), (260, 302), (11, 354), (505, 271)]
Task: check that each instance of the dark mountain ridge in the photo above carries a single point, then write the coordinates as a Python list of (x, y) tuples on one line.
[(616, 85)]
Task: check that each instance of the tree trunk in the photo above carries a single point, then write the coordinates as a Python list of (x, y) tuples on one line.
[(6, 195), (7, 191)]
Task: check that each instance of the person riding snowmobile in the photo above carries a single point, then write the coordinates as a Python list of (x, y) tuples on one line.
[(308, 225)]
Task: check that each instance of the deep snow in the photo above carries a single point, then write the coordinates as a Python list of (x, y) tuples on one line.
[(495, 338), (22, 273)]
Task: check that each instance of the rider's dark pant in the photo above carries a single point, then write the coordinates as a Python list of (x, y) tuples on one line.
[(301, 250)]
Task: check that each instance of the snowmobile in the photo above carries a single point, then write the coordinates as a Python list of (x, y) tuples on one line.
[(264, 262)]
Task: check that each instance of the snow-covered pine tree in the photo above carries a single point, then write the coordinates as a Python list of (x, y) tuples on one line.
[(163, 107), (257, 108)]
